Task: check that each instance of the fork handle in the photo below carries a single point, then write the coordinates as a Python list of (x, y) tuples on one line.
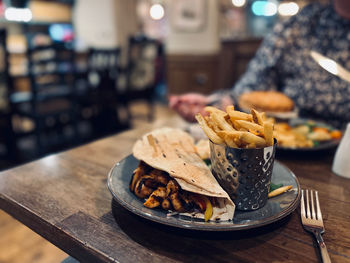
[(323, 248)]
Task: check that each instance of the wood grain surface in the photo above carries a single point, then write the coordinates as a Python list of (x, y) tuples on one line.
[(64, 198)]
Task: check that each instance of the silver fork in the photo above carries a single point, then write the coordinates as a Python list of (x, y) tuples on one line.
[(312, 221)]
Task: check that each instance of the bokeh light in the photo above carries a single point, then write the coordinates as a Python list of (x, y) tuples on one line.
[(264, 8), (238, 3), (156, 11), (288, 9), (18, 14)]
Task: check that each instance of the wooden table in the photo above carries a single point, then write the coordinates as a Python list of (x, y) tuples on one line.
[(64, 198)]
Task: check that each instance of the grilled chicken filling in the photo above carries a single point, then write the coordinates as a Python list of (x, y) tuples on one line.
[(160, 190)]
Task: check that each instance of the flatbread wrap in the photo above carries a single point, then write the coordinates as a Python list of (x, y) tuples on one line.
[(171, 175)]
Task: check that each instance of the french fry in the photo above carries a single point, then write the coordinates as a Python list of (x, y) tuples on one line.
[(231, 138), (268, 133), (237, 115), (250, 126), (220, 121), (279, 191), (207, 130), (270, 119), (227, 118), (251, 145), (237, 129), (230, 142), (212, 110), (254, 132), (212, 124), (249, 138), (230, 108), (257, 117)]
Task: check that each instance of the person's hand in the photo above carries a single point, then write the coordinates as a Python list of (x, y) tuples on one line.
[(188, 105)]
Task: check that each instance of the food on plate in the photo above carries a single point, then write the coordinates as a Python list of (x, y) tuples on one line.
[(280, 191), (274, 186), (288, 137), (172, 176), (237, 129), (306, 135), (269, 101)]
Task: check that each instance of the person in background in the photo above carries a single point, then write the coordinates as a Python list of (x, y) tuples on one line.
[(283, 63)]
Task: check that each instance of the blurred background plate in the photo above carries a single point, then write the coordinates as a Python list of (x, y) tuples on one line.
[(324, 146), (275, 209), (321, 146), (284, 115)]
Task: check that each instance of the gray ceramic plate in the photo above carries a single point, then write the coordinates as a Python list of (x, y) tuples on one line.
[(275, 209)]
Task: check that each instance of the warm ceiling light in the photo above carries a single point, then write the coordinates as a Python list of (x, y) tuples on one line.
[(288, 9), (238, 3), (156, 11), (18, 14)]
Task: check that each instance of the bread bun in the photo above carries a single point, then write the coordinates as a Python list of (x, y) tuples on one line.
[(268, 101)]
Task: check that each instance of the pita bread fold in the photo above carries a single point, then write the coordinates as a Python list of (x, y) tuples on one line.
[(173, 151)]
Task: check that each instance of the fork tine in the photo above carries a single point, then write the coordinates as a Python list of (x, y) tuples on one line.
[(307, 204), (312, 205), (302, 204), (310, 223), (319, 214)]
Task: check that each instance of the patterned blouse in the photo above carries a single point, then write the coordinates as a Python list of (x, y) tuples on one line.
[(283, 63)]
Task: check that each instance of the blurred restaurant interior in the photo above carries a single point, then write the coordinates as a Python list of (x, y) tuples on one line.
[(74, 71)]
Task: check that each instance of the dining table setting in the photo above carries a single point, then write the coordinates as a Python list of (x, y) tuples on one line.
[(88, 201)]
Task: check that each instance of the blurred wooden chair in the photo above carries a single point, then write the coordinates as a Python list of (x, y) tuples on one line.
[(102, 100), (51, 102), (144, 70), (7, 149)]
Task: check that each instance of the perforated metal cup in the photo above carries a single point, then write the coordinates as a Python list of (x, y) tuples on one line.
[(245, 174)]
